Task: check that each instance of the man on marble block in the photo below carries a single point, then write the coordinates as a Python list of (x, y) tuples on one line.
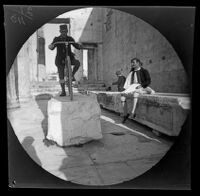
[(61, 55), (137, 82)]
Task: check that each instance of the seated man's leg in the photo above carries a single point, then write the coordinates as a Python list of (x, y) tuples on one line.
[(136, 94), (125, 115), (135, 100), (146, 90), (149, 90)]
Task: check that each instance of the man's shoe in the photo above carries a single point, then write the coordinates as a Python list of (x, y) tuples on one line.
[(78, 145), (133, 116), (63, 94), (73, 79), (125, 118)]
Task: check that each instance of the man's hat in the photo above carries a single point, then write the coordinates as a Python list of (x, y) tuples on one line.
[(63, 27), (118, 72)]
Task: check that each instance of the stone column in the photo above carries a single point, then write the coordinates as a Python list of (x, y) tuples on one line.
[(100, 62), (41, 55), (24, 73), (33, 57), (12, 87)]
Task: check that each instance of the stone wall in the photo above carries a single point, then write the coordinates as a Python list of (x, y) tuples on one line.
[(120, 37), (23, 62), (41, 57), (126, 36), (86, 27), (12, 87), (22, 73), (33, 56)]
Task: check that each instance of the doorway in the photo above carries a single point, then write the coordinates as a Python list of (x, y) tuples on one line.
[(90, 71)]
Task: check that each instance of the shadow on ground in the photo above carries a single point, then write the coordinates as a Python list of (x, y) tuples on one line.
[(84, 165), (27, 143), (81, 163), (42, 102)]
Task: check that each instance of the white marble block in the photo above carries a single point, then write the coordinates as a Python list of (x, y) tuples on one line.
[(74, 122)]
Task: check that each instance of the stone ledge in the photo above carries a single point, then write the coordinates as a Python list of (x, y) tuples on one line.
[(163, 112)]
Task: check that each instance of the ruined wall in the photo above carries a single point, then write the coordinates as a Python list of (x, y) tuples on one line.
[(86, 27), (12, 87), (22, 73), (32, 55), (41, 59), (23, 62), (126, 36)]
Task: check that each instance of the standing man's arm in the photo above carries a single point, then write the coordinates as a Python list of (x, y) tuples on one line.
[(52, 45), (76, 45)]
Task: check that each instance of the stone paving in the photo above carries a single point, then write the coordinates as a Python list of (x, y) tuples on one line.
[(125, 151)]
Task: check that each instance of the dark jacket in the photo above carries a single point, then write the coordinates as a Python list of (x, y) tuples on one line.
[(120, 83), (143, 77), (61, 49)]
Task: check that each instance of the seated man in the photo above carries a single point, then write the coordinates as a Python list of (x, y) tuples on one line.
[(61, 55), (137, 82), (120, 82)]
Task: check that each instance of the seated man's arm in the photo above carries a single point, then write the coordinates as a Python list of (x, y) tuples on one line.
[(116, 83), (147, 81), (122, 80)]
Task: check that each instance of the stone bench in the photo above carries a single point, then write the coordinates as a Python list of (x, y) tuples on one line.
[(162, 112), (73, 122)]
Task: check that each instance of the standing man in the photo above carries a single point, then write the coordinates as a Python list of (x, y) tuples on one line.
[(61, 55), (137, 82), (120, 82)]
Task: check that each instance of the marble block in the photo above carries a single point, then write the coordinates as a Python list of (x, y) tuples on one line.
[(74, 122)]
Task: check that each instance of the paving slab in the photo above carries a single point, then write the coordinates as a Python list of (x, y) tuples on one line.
[(125, 151), (112, 172), (84, 175)]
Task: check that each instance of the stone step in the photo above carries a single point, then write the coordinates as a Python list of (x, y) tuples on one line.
[(45, 85), (91, 85), (92, 88), (173, 94), (92, 82), (55, 86)]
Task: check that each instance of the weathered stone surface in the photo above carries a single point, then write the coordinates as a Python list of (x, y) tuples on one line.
[(74, 122), (111, 160), (12, 87), (163, 112), (24, 86), (126, 36), (110, 100)]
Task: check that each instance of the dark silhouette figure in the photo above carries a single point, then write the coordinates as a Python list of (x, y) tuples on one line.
[(42, 101), (27, 144)]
